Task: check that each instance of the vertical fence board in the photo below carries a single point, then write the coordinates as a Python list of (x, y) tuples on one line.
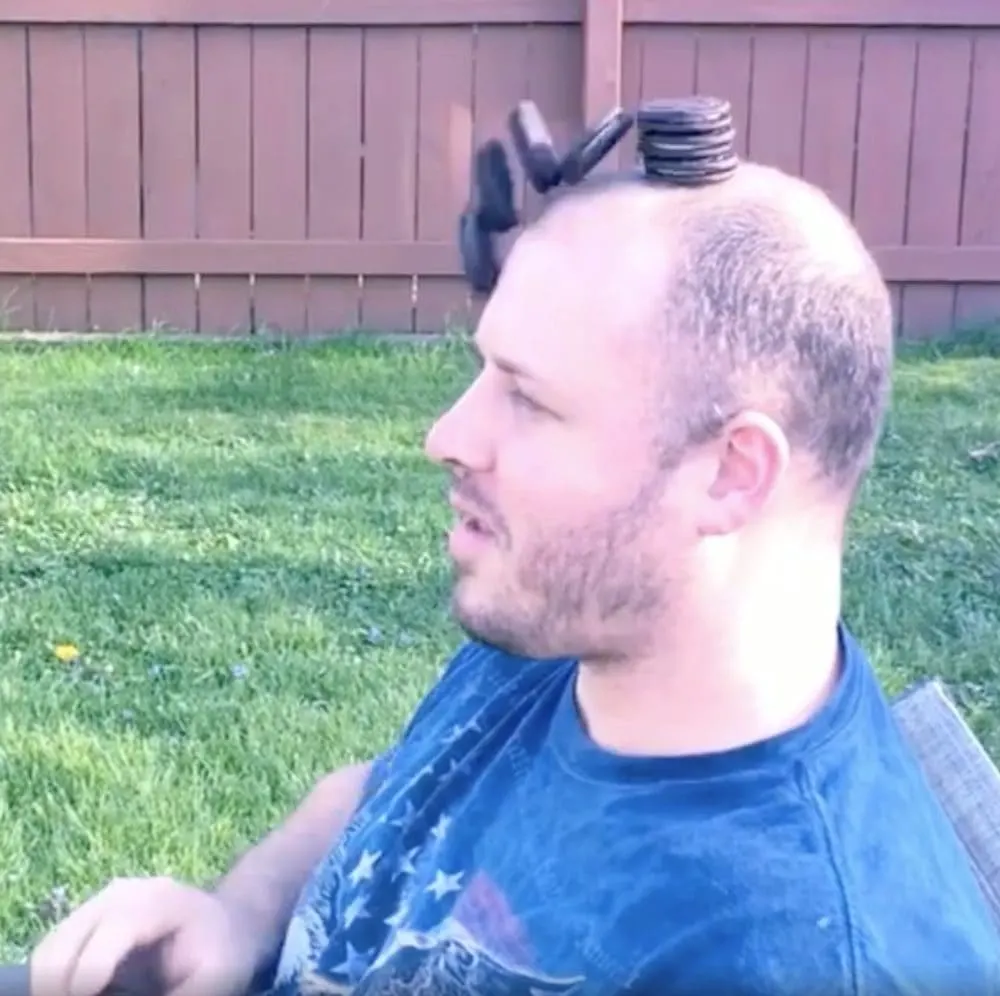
[(335, 63), (602, 67), (831, 112), (500, 80), (555, 83), (224, 157), (722, 69), (777, 102), (444, 153), (279, 167), (111, 60), (937, 160), (631, 91), (976, 304), (390, 130), (168, 165), (883, 152), (59, 192), (17, 296), (669, 58)]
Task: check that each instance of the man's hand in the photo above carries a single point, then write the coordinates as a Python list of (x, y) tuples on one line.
[(159, 936), (181, 940)]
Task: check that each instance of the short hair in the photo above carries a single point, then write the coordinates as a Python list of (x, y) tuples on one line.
[(771, 298), (787, 308)]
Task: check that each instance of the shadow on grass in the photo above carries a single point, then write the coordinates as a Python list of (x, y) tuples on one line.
[(274, 474), (332, 378), (177, 646)]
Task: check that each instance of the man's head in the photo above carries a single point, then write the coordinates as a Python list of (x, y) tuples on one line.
[(674, 382)]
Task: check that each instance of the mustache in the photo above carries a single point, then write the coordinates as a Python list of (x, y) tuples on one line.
[(468, 493)]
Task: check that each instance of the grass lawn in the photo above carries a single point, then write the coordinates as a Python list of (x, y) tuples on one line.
[(244, 542)]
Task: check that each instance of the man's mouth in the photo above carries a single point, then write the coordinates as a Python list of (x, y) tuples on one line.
[(473, 523)]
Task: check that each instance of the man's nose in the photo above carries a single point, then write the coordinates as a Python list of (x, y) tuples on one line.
[(461, 435)]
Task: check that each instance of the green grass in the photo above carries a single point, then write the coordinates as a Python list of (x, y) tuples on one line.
[(244, 543)]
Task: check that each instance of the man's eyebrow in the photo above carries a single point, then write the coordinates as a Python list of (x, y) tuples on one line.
[(507, 365)]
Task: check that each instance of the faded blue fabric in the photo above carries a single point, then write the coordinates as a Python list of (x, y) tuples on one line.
[(500, 852)]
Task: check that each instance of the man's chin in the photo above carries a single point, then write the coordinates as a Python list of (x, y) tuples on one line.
[(488, 620)]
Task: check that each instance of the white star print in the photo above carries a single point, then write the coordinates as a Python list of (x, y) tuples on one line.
[(354, 962), (441, 827), (365, 867), (409, 939), (443, 884), (459, 730), (406, 866), (355, 910), (398, 918), (408, 813)]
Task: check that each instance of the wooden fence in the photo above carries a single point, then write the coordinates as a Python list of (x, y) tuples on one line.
[(229, 165)]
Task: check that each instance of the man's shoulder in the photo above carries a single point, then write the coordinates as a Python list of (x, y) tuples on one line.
[(800, 944), (476, 676)]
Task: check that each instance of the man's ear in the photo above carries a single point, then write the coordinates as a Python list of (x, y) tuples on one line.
[(749, 458)]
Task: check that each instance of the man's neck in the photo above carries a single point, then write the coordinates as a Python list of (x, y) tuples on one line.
[(720, 679)]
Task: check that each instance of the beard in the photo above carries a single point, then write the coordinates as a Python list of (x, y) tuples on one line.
[(584, 591)]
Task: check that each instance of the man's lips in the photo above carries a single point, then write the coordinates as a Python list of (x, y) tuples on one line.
[(470, 517)]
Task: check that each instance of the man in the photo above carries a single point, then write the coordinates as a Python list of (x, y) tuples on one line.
[(661, 764)]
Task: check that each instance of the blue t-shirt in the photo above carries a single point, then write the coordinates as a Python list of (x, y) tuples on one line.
[(499, 851)]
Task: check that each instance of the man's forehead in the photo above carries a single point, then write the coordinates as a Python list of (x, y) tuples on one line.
[(561, 332), (572, 291)]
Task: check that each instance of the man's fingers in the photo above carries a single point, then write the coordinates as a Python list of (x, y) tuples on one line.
[(80, 957), (116, 936), (53, 961)]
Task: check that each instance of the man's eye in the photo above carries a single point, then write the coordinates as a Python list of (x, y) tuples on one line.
[(522, 399)]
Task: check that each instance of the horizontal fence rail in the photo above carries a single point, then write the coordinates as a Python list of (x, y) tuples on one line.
[(225, 166)]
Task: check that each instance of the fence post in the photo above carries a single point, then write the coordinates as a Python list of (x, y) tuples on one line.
[(602, 63)]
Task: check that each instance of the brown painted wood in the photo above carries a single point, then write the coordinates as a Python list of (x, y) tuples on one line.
[(831, 112), (390, 130), (555, 71), (58, 164), (882, 156), (111, 67), (868, 13), (164, 256), (602, 65), (501, 61), (292, 13), (225, 303), (279, 154), (722, 69), (861, 13), (802, 99), (980, 210), (335, 154), (777, 105), (169, 181), (444, 151), (937, 162), (17, 293)]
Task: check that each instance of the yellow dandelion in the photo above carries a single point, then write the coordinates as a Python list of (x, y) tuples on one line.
[(66, 652)]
